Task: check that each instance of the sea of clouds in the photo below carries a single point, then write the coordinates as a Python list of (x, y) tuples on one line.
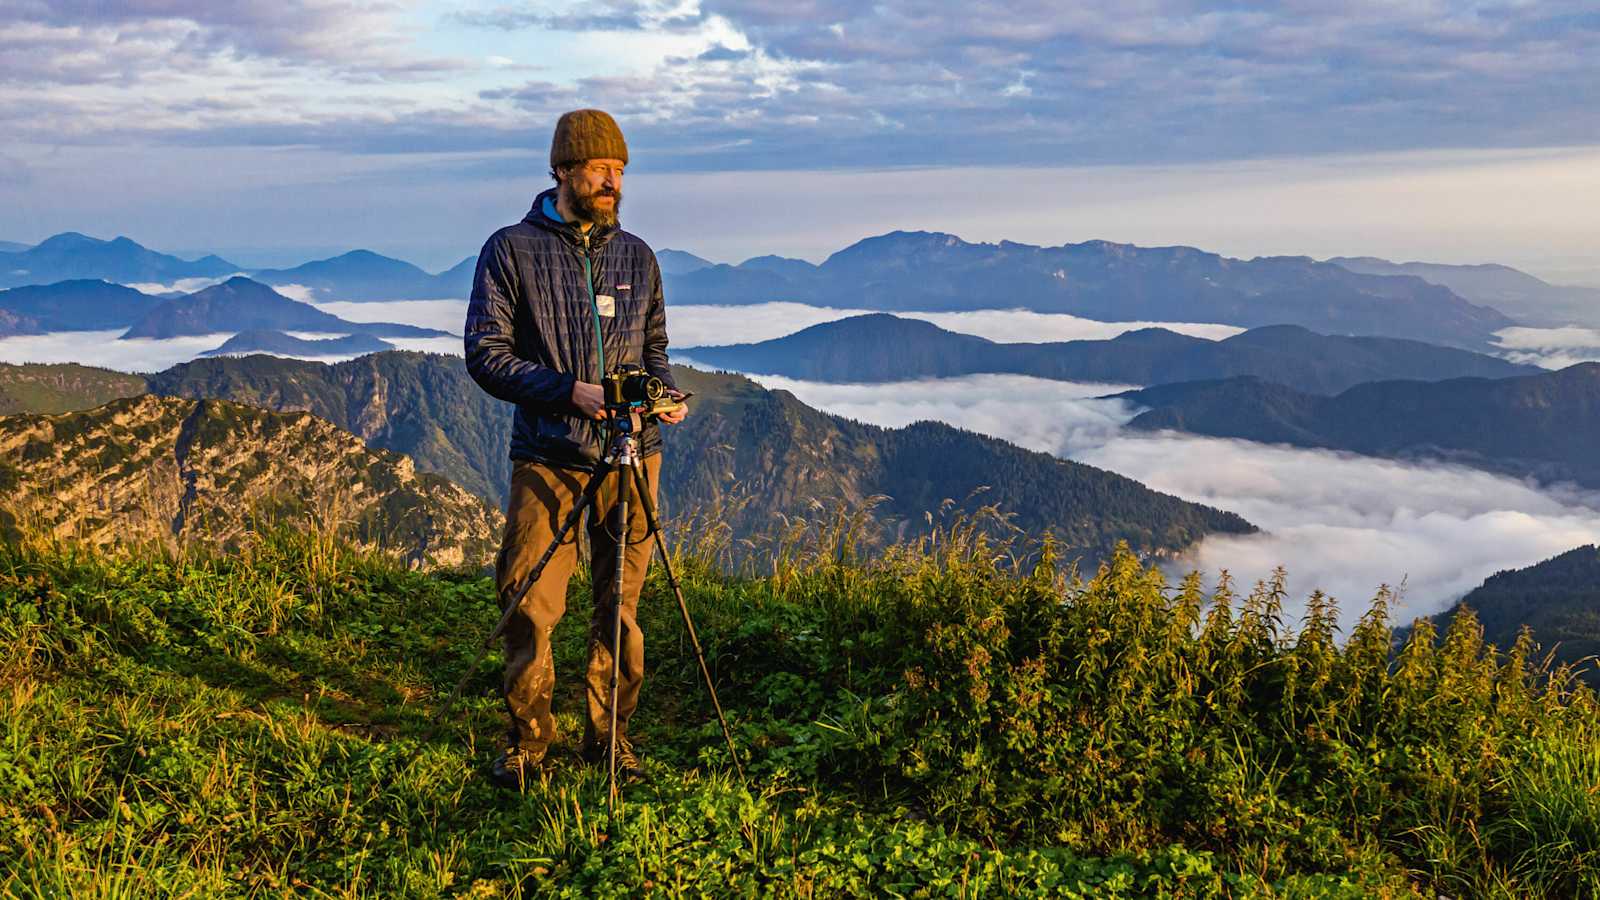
[(1552, 348), (689, 325), (1338, 522), (694, 325), (1345, 524)]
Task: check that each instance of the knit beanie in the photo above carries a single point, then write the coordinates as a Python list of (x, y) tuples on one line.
[(587, 134)]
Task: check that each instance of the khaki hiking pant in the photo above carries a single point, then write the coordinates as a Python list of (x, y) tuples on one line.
[(541, 498)]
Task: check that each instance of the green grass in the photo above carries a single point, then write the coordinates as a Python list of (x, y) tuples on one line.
[(927, 723)]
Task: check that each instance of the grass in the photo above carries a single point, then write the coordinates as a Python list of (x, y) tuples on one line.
[(932, 722)]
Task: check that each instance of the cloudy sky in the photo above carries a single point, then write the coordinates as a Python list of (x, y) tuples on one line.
[(1443, 130)]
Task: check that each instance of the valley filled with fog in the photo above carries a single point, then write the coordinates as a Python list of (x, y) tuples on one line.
[(1336, 521)]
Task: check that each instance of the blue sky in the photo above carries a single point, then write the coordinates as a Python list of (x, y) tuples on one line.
[(1453, 131)]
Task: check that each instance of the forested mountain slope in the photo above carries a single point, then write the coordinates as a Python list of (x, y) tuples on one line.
[(1558, 599), (1546, 426), (753, 454)]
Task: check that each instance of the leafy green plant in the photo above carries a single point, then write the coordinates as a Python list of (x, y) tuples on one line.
[(960, 716)]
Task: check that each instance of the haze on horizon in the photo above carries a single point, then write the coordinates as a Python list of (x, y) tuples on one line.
[(1443, 131)]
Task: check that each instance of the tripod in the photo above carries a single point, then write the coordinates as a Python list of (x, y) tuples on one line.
[(621, 459)]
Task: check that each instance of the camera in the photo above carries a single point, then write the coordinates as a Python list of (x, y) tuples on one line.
[(627, 385), (629, 388)]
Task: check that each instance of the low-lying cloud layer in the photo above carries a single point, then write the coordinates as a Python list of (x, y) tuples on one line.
[(703, 326), (1553, 348), (1342, 523), (102, 348)]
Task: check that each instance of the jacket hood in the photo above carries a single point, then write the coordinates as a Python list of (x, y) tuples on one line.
[(598, 234)]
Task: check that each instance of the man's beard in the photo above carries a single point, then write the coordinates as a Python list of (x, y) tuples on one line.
[(586, 210)]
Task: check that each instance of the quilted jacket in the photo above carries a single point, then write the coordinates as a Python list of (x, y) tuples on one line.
[(542, 293)]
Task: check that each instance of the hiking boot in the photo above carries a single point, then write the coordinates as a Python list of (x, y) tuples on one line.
[(629, 766), (515, 767)]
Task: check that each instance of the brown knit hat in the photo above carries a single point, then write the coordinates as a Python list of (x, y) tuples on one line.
[(587, 134)]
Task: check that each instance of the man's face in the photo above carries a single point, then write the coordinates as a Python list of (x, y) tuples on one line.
[(594, 190)]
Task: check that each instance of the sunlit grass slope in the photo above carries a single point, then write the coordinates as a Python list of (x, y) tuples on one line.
[(928, 723)]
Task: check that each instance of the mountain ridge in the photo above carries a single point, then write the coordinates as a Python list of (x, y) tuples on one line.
[(751, 452), (243, 304), (82, 304), (881, 347), (1542, 426), (1107, 281), (366, 276), (1557, 599), (1525, 297), (72, 255), (176, 471)]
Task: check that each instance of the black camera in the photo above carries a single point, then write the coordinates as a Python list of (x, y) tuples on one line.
[(627, 385), (629, 388)]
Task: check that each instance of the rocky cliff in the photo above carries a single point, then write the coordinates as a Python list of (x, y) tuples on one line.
[(180, 472)]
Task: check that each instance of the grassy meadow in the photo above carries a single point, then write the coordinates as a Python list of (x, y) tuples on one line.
[(936, 721)]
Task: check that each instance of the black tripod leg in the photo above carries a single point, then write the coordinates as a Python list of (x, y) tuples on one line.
[(683, 607), (623, 484)]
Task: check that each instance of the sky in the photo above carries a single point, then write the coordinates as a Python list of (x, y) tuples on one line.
[(274, 133)]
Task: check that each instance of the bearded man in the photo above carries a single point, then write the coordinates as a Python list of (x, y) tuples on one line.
[(558, 300)]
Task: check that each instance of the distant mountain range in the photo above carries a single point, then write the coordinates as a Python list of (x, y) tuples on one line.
[(77, 305), (1525, 298), (75, 256), (881, 347), (176, 472), (746, 454), (899, 271), (357, 275), (366, 276), (930, 271), (240, 304), (1559, 599), (677, 262), (1544, 426), (280, 344)]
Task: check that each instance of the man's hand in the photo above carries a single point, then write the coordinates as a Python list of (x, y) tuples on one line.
[(590, 399), (677, 415)]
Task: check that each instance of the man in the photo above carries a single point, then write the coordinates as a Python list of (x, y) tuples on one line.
[(559, 299)]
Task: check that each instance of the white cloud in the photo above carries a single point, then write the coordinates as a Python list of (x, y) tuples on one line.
[(1024, 326), (1339, 522), (445, 315), (300, 292), (1035, 413), (182, 285), (693, 325), (1553, 348), (102, 348), (450, 346)]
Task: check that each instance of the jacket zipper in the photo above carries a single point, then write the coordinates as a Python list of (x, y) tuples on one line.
[(594, 309)]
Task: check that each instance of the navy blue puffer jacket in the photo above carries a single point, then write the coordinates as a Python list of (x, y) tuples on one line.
[(539, 299)]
